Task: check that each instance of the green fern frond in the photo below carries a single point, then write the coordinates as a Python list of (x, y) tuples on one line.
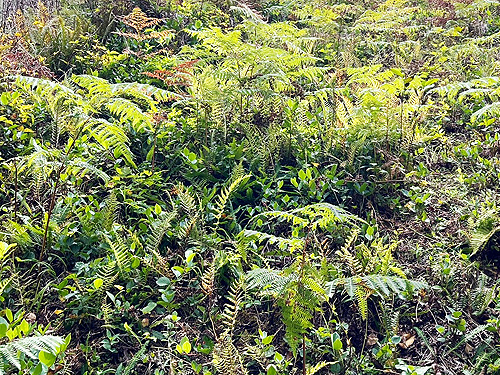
[(231, 308), (121, 253), (292, 244), (225, 194), (268, 282), (299, 293), (128, 112), (226, 357), (362, 287), (481, 296), (158, 230), (382, 285), (345, 255), (485, 228), (110, 211), (127, 370), (187, 200), (108, 274), (318, 215), (29, 346)]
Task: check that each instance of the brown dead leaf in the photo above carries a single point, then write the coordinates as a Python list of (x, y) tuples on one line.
[(407, 340), (469, 348), (31, 318), (372, 339)]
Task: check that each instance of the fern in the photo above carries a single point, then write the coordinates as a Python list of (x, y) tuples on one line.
[(268, 282), (127, 370), (481, 296), (29, 346), (226, 357), (469, 336), (208, 277), (389, 318), (292, 244), (225, 194), (361, 287), (299, 293), (81, 111), (187, 200), (231, 308), (121, 253), (108, 274), (486, 227), (152, 245), (158, 230), (110, 211)]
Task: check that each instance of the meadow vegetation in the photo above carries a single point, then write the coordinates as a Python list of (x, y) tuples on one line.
[(260, 187)]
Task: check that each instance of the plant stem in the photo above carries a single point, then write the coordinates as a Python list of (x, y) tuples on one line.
[(304, 370), (54, 193), (299, 286), (15, 192), (154, 151)]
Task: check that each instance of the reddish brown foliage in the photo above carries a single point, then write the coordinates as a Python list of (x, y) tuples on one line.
[(179, 75)]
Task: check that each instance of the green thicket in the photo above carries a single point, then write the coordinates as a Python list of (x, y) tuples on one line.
[(264, 187)]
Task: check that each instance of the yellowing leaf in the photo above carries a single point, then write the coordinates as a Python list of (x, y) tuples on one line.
[(186, 347), (46, 358), (98, 283)]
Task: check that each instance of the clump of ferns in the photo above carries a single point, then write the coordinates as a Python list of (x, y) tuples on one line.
[(201, 230), (370, 271), (299, 289)]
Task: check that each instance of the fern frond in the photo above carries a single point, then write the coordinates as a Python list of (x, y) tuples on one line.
[(292, 244), (384, 286), (226, 357), (29, 346), (133, 362), (108, 274), (231, 308), (225, 194), (268, 282), (158, 230), (127, 111), (345, 255), (121, 253), (362, 287), (80, 167), (110, 211)]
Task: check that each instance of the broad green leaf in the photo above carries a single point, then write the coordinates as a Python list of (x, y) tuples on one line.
[(25, 327), (271, 370), (267, 340), (337, 344), (48, 359), (150, 307), (38, 369), (163, 281), (186, 347)]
